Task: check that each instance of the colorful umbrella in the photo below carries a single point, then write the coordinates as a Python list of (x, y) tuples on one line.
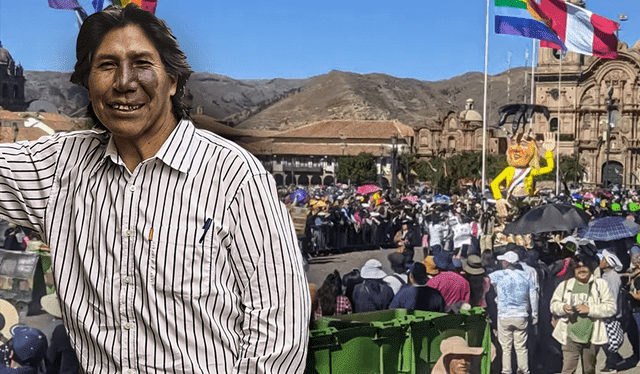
[(367, 189), (299, 195), (607, 229), (442, 199), (412, 198)]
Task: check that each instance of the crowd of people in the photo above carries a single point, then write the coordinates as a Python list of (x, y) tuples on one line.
[(551, 294)]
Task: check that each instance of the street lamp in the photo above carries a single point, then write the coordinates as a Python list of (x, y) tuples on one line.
[(611, 108), (380, 165), (394, 164)]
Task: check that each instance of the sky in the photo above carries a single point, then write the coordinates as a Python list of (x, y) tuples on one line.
[(428, 40)]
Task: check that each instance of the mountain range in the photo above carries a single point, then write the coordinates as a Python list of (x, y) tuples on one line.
[(283, 104)]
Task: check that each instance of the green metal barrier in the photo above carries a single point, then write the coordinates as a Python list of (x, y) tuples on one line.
[(393, 341)]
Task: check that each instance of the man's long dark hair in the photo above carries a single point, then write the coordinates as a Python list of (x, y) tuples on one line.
[(113, 17)]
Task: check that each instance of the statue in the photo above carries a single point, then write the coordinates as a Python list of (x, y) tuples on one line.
[(523, 157)]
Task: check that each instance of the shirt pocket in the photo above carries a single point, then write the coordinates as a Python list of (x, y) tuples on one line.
[(179, 264)]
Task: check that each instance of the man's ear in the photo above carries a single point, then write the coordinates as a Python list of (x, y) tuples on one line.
[(174, 84)]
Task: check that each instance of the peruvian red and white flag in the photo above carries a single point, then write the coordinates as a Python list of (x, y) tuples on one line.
[(581, 31)]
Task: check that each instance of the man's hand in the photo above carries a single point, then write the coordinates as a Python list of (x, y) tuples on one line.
[(567, 308), (549, 143), (503, 206), (582, 309), (635, 295), (534, 321)]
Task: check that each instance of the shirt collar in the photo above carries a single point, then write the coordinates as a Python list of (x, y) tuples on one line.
[(175, 152)]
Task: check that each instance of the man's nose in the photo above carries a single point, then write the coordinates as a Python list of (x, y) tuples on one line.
[(125, 79)]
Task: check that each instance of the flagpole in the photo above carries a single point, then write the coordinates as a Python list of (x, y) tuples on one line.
[(533, 71), (558, 130), (484, 106)]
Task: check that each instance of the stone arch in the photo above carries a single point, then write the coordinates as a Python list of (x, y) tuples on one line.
[(288, 180), (612, 173), (316, 180), (303, 180), (328, 180), (279, 179)]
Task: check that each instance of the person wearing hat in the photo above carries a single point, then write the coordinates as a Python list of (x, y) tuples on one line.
[(373, 293), (430, 265), (453, 287), (479, 284), (456, 356), (582, 303), (26, 349), (517, 300), (610, 267), (417, 295)]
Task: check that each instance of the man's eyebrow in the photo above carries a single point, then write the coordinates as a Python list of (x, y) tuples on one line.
[(114, 56)]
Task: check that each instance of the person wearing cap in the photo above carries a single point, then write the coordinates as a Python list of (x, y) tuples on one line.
[(453, 287), (27, 349), (610, 266), (581, 304), (517, 300), (373, 293), (399, 277), (417, 295), (456, 356)]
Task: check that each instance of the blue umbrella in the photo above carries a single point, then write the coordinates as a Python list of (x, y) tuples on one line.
[(442, 199), (299, 195), (607, 229)]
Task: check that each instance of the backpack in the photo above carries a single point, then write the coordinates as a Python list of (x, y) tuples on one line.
[(624, 308)]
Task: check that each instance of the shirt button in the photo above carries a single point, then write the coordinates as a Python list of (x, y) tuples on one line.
[(128, 233), (132, 188), (129, 371), (127, 280), (127, 326)]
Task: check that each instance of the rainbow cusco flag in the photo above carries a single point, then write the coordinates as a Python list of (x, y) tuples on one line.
[(524, 18)]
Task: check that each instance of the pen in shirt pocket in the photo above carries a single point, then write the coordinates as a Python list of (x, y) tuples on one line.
[(206, 226)]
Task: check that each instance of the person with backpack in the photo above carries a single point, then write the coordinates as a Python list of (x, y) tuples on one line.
[(399, 278), (373, 293), (417, 295)]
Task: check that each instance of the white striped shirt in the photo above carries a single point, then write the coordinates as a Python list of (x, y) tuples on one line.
[(144, 288)]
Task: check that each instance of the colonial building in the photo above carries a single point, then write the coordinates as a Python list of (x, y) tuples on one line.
[(17, 126), (11, 83), (454, 132), (575, 88), (308, 155)]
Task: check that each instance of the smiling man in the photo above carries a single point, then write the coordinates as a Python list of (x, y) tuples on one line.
[(171, 251)]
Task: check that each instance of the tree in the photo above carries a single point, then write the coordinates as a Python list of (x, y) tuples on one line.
[(358, 169), (570, 170)]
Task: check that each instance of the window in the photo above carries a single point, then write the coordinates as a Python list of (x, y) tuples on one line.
[(587, 120), (553, 124), (558, 54)]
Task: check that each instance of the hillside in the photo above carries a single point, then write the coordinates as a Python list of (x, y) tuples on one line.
[(280, 104)]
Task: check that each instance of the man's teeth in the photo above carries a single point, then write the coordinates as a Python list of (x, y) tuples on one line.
[(126, 107)]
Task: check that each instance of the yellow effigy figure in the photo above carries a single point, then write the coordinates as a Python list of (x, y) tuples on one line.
[(524, 164)]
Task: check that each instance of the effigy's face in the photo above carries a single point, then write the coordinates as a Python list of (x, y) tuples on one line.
[(520, 154)]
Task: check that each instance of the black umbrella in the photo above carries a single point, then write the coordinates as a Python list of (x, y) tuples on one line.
[(548, 218)]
